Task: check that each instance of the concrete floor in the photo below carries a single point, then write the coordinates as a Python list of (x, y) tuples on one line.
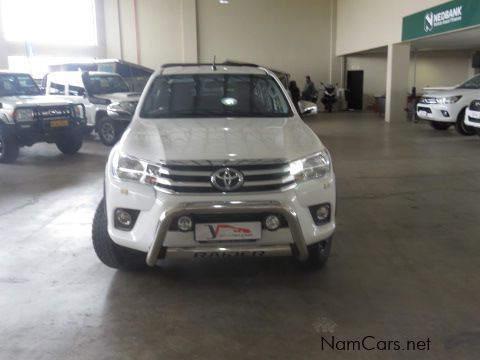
[(404, 265)]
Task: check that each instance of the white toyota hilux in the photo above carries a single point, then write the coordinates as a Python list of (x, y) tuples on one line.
[(447, 106), (216, 163)]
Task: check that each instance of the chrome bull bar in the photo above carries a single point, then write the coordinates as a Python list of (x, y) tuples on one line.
[(230, 207)]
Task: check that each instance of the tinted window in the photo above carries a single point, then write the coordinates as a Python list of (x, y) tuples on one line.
[(215, 95), (473, 83), (105, 84), (18, 84)]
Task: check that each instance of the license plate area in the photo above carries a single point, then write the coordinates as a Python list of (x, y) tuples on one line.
[(228, 232), (58, 123)]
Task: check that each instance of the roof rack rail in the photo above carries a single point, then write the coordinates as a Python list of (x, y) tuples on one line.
[(164, 66), (226, 63), (239, 63)]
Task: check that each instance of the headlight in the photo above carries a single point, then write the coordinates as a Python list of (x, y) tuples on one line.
[(79, 111), (449, 100), (123, 107), (313, 167), (128, 168), (23, 115)]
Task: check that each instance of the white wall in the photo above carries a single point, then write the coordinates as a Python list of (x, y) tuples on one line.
[(369, 24), (294, 36), (440, 68), (151, 32)]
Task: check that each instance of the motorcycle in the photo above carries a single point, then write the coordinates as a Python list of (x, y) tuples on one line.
[(329, 96)]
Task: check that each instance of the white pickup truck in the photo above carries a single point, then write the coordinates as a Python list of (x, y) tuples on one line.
[(28, 117), (447, 107), (216, 163), (108, 101)]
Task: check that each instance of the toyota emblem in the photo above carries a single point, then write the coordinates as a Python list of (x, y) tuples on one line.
[(227, 179)]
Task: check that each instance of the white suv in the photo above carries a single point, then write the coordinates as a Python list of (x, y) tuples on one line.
[(216, 163), (472, 116), (109, 104), (447, 107)]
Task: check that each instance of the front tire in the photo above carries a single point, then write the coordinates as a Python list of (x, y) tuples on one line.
[(438, 125), (71, 141), (109, 253), (107, 131), (461, 127), (9, 148), (318, 255)]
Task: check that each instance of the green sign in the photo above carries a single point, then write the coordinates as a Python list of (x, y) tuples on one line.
[(454, 15)]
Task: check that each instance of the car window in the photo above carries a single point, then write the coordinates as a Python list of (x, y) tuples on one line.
[(18, 84), (105, 84), (76, 90), (473, 83), (56, 89), (215, 95)]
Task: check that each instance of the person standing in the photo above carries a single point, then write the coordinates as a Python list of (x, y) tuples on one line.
[(309, 91), (295, 94)]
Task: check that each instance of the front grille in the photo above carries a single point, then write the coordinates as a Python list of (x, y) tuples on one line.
[(195, 177), (52, 112), (475, 105), (473, 119)]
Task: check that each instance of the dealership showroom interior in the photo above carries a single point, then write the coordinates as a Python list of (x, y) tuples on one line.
[(239, 179)]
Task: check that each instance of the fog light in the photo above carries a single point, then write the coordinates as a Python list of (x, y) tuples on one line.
[(184, 223), (445, 113), (125, 218), (272, 222), (321, 213)]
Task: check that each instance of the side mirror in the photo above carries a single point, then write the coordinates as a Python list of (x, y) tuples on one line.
[(307, 108)]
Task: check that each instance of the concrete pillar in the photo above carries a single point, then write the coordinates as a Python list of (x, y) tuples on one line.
[(398, 64), (189, 31)]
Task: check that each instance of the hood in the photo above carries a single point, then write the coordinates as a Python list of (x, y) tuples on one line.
[(117, 97), (451, 92), (36, 100), (158, 140)]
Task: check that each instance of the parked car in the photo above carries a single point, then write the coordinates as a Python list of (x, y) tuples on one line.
[(27, 117), (103, 94), (472, 116), (444, 108), (216, 163), (136, 76)]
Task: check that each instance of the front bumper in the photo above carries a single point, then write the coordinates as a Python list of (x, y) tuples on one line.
[(472, 118), (153, 235), (232, 207), (436, 112)]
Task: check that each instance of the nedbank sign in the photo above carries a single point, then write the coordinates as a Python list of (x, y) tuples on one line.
[(433, 20), (450, 16)]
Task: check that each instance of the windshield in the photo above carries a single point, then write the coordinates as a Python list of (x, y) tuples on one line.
[(105, 84), (212, 95), (473, 83), (18, 84)]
